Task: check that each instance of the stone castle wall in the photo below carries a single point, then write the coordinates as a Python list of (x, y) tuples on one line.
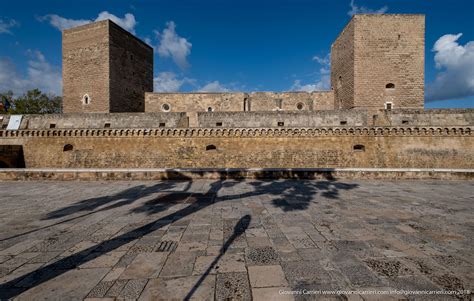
[(417, 147), (238, 102), (283, 119), (353, 117)]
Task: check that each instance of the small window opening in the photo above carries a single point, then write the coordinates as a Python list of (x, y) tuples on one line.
[(359, 148), (68, 148), (107, 125), (218, 123), (162, 125), (131, 57), (52, 125), (399, 36), (388, 106), (86, 99), (343, 122), (281, 123), (300, 106), (390, 86), (404, 121), (210, 109), (211, 147), (165, 107)]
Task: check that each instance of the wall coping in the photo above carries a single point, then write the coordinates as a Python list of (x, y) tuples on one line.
[(371, 169), (99, 174), (245, 132)]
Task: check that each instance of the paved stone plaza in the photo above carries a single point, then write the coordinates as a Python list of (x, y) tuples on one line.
[(210, 239)]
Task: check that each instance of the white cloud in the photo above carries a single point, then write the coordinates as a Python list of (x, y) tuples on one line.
[(214, 86), (456, 64), (39, 74), (320, 85), (5, 25), (364, 10), (174, 46), (169, 82), (324, 81), (128, 22)]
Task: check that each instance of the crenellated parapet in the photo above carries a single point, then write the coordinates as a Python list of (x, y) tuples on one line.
[(242, 132)]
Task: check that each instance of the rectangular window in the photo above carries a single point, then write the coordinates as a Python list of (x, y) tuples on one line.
[(343, 122), (404, 121), (218, 123), (52, 125), (162, 124), (281, 123), (107, 125)]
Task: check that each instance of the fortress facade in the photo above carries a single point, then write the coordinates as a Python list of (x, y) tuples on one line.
[(373, 116)]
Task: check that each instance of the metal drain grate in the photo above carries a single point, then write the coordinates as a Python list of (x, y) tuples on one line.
[(167, 246)]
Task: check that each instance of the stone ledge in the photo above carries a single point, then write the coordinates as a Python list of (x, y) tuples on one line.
[(234, 173), (245, 132)]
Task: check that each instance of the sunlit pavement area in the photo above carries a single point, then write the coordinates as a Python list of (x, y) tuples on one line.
[(211, 239)]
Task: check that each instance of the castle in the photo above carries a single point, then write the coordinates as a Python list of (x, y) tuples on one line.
[(373, 116)]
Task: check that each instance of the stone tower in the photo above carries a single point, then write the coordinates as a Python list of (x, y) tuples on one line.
[(105, 69), (377, 62)]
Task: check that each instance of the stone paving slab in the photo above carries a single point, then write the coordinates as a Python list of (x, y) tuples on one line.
[(252, 239)]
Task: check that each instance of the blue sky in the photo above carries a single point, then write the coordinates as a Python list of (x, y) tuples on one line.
[(245, 45)]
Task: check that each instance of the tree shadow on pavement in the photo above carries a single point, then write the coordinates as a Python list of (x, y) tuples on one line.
[(297, 194)]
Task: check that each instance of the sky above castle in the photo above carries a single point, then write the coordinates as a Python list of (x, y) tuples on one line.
[(244, 45)]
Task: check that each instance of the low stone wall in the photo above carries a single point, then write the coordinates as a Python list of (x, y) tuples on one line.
[(191, 174), (432, 117), (99, 120), (282, 118)]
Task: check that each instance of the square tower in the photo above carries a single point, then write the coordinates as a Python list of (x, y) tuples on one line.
[(105, 69), (378, 62)]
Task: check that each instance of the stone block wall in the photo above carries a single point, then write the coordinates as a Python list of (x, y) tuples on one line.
[(342, 68), (86, 68), (194, 102), (238, 101), (108, 65), (131, 71), (283, 119), (433, 117), (389, 50), (385, 147), (101, 121)]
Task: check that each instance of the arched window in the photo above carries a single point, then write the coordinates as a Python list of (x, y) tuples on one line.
[(359, 148), (68, 148), (211, 147), (390, 86), (86, 99), (339, 82)]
